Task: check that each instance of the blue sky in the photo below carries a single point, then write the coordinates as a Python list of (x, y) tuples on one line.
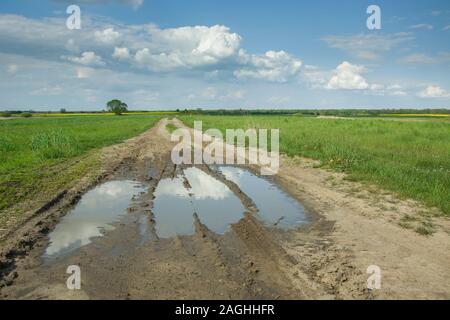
[(224, 54)]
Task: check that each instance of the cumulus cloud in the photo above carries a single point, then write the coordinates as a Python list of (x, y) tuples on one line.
[(88, 58), (188, 47), (121, 53), (209, 50), (278, 66), (433, 92), (348, 76), (345, 76), (368, 46), (108, 36)]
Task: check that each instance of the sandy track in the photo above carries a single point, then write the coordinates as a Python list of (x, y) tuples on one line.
[(413, 266), (326, 259)]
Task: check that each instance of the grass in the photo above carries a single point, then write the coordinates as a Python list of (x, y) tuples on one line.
[(425, 229), (411, 159), (171, 127), (54, 144), (38, 156)]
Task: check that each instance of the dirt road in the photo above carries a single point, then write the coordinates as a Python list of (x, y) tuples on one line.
[(324, 258)]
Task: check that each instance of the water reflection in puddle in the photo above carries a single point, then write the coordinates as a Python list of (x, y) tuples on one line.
[(176, 201), (273, 204), (95, 212)]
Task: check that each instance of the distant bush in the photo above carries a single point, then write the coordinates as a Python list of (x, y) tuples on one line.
[(53, 144), (26, 115), (5, 114)]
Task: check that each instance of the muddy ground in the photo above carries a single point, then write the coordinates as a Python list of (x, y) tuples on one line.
[(352, 226)]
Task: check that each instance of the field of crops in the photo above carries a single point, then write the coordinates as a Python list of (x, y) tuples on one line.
[(409, 158), (38, 155)]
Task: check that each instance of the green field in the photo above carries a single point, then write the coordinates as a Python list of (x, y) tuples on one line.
[(411, 158), (39, 156)]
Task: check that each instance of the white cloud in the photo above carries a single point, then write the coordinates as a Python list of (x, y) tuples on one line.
[(348, 76), (159, 61), (433, 92), (446, 28), (188, 47), (107, 36), (88, 58), (422, 26), (367, 46), (278, 66), (208, 50), (121, 53)]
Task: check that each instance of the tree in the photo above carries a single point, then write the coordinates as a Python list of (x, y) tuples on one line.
[(116, 106)]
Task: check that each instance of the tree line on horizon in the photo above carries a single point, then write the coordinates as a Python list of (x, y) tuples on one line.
[(118, 107)]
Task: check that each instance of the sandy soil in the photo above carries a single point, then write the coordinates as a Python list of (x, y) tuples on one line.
[(353, 226)]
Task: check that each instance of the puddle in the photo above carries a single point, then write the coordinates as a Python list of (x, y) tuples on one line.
[(175, 203), (273, 204), (94, 213)]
